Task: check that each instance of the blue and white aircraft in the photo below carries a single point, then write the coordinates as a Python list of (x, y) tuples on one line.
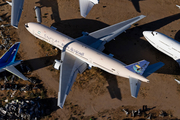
[(7, 61)]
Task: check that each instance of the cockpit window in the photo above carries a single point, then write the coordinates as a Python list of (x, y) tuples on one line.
[(26, 25), (152, 33)]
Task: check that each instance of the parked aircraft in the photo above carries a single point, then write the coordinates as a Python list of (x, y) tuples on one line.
[(86, 6), (164, 44), (17, 7), (16, 10), (84, 52), (7, 61)]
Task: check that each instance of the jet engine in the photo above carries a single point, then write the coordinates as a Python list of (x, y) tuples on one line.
[(57, 64)]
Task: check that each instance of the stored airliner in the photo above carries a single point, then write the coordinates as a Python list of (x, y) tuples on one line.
[(164, 44), (84, 52)]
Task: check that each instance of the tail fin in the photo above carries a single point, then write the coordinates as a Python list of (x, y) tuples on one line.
[(138, 67), (10, 55), (143, 69)]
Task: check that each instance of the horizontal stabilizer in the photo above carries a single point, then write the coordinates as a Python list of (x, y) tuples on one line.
[(152, 68), (138, 67), (134, 85), (14, 71)]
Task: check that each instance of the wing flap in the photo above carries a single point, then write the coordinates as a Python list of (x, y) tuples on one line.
[(70, 67), (14, 71), (134, 86)]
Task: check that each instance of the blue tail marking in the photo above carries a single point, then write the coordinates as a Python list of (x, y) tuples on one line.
[(10, 55), (138, 67), (143, 69)]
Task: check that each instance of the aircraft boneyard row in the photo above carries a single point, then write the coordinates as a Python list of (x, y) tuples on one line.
[(86, 51)]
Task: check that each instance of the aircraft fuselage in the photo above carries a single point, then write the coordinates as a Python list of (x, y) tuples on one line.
[(163, 43), (82, 51)]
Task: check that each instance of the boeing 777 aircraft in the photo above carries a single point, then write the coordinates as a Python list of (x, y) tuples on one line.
[(16, 10), (84, 52), (7, 61), (164, 44)]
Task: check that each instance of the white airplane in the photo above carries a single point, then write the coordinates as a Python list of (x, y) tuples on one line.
[(164, 44), (84, 52), (86, 6), (7, 61)]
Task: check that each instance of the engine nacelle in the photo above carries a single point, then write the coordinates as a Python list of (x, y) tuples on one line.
[(57, 64)]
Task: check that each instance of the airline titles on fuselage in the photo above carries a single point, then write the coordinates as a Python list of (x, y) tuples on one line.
[(59, 44)]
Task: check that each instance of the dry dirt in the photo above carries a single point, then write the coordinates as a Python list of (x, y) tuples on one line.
[(95, 92)]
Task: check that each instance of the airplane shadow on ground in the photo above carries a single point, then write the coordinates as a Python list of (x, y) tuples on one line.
[(41, 62), (54, 6), (136, 4), (3, 4)]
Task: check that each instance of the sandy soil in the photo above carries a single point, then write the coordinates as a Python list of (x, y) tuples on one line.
[(105, 92)]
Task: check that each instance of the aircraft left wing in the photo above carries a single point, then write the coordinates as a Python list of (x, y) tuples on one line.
[(16, 10), (68, 72), (100, 37), (14, 71)]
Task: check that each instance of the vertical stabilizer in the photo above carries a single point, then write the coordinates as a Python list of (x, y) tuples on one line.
[(10, 55)]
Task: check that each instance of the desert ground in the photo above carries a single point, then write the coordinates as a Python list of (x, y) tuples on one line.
[(96, 93)]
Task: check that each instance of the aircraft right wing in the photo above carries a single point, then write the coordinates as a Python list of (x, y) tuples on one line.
[(16, 10), (100, 37), (14, 71), (86, 6), (70, 67)]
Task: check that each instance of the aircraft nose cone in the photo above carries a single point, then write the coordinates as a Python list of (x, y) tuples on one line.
[(146, 33)]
